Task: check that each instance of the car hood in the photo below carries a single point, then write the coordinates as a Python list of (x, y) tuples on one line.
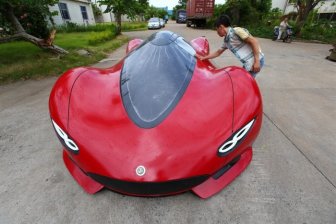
[(167, 114)]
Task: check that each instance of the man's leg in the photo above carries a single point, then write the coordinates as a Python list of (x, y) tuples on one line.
[(280, 34)]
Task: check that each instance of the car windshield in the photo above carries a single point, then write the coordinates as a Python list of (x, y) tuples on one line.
[(155, 76), (154, 20)]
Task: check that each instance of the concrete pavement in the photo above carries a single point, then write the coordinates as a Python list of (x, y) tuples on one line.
[(291, 178)]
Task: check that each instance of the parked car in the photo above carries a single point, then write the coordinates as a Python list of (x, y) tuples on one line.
[(162, 23), (154, 23)]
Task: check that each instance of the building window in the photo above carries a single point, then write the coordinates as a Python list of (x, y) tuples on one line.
[(64, 11), (84, 13)]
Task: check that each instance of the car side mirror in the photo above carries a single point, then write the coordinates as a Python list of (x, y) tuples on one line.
[(201, 46), (133, 44)]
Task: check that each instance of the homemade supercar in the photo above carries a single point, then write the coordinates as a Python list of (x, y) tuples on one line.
[(159, 122)]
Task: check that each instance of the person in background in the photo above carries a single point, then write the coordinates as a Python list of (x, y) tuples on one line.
[(241, 43), (283, 27)]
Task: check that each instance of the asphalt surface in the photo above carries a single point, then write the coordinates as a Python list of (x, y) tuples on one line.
[(291, 179)]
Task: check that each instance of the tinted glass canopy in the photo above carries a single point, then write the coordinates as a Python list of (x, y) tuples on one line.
[(155, 76)]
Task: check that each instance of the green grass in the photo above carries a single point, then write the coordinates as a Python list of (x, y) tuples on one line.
[(125, 26), (71, 41), (101, 37), (74, 28), (21, 60)]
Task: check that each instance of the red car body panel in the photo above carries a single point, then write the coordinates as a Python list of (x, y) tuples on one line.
[(212, 185), (87, 183), (86, 103)]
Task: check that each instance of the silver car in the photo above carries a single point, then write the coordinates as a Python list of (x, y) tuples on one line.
[(162, 23), (154, 23)]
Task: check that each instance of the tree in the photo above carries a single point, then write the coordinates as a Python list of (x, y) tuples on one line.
[(182, 4), (241, 12), (97, 13), (123, 7), (304, 8), (262, 6), (141, 8), (26, 19), (154, 12), (244, 12)]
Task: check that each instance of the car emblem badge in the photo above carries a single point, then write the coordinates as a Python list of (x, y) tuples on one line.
[(140, 170)]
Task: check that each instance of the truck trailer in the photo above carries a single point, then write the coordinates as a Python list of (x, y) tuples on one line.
[(198, 11)]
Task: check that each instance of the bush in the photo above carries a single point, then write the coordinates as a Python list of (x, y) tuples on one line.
[(322, 30), (261, 31)]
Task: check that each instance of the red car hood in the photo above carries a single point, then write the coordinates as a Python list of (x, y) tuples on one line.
[(183, 145)]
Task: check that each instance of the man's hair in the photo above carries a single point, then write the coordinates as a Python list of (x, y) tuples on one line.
[(223, 20)]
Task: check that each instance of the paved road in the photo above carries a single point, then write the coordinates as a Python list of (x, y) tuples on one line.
[(291, 178)]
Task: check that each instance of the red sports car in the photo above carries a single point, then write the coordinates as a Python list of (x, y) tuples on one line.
[(159, 122)]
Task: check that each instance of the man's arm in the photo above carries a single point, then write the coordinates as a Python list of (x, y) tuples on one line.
[(210, 56), (255, 48)]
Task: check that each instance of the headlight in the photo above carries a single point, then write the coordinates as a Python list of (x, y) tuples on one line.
[(66, 141), (234, 140)]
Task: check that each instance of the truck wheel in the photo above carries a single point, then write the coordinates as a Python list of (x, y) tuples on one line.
[(188, 24), (204, 23)]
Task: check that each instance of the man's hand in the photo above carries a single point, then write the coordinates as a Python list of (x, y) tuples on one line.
[(256, 66), (210, 56), (199, 57)]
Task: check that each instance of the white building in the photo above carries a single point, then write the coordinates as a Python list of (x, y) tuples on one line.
[(109, 17), (74, 11), (288, 6), (329, 6), (280, 4)]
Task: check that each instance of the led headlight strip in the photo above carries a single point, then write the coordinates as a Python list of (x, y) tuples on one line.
[(66, 141), (234, 140)]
